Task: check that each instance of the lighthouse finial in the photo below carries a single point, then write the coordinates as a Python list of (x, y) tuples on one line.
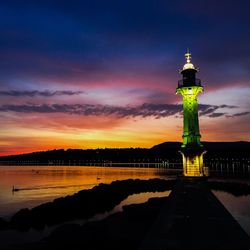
[(188, 56), (188, 64)]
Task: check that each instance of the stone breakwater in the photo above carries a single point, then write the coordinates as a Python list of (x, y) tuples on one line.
[(84, 204)]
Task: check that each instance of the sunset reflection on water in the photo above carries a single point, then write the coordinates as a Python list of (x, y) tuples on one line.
[(45, 183)]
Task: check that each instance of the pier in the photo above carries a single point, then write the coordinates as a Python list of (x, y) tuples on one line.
[(194, 219)]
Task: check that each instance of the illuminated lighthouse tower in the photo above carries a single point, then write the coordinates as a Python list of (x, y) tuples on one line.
[(192, 151)]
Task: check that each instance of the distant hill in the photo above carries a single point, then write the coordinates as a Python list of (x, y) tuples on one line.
[(167, 151), (214, 149), (239, 146), (168, 145)]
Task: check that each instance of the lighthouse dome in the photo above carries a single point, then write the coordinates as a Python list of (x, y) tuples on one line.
[(188, 65)]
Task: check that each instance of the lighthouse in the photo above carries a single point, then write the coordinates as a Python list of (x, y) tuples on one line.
[(192, 150)]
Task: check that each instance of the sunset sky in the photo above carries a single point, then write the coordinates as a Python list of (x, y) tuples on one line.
[(95, 74)]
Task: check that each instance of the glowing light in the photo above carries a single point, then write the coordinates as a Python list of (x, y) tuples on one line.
[(191, 131), (188, 64)]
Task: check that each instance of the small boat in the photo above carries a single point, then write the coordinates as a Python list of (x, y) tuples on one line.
[(98, 178)]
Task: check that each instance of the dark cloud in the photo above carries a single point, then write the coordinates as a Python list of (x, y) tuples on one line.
[(210, 110), (239, 114), (228, 106), (217, 115), (144, 110), (207, 109), (33, 93)]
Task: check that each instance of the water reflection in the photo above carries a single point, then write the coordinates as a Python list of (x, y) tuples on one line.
[(239, 207), (41, 184), (44, 183), (131, 199)]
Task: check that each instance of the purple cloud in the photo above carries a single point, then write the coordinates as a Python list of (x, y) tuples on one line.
[(33, 93), (144, 110)]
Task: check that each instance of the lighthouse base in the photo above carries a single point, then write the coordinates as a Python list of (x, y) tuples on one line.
[(193, 165)]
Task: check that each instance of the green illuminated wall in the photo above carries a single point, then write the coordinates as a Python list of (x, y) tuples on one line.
[(191, 132)]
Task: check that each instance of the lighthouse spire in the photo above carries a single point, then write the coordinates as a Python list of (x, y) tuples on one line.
[(188, 56), (188, 64)]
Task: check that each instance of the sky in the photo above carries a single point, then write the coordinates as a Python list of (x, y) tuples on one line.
[(103, 74)]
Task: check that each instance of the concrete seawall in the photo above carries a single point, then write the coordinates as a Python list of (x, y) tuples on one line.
[(195, 219)]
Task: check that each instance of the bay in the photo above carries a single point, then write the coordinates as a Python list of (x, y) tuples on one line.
[(39, 184)]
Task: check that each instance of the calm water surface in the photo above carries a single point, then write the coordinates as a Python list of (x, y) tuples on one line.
[(40, 184), (239, 207)]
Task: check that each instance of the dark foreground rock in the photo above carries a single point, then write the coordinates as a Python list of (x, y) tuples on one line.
[(85, 204), (3, 224), (123, 230)]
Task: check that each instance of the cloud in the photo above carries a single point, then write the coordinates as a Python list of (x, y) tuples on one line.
[(227, 106), (144, 110), (217, 115), (33, 93), (239, 114), (209, 110)]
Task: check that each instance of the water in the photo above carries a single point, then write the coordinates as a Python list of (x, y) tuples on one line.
[(39, 184), (239, 207), (131, 199)]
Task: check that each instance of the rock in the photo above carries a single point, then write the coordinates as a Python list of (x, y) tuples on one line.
[(86, 203), (3, 224)]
